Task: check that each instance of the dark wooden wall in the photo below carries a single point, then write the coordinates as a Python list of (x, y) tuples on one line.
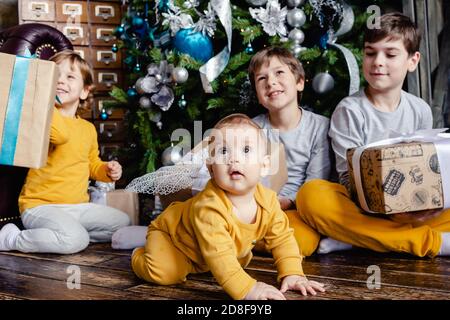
[(8, 14)]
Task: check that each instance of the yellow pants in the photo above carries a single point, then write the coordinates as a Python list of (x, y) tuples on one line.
[(160, 261), (327, 207), (307, 238)]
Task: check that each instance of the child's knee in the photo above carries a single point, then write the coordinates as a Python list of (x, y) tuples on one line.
[(315, 193), (75, 241), (153, 271)]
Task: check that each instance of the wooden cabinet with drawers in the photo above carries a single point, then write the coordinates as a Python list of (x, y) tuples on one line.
[(90, 26)]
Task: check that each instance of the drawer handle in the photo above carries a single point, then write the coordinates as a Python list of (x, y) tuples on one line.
[(73, 32), (105, 34), (105, 12), (106, 57), (38, 8), (108, 78), (72, 9), (108, 129)]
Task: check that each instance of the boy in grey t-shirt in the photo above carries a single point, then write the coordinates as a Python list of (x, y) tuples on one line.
[(278, 78), (390, 52)]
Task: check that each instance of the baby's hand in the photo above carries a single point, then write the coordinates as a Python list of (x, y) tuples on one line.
[(285, 203), (263, 291), (302, 284), (113, 170)]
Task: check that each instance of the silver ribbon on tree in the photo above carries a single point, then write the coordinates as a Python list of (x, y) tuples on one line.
[(348, 18), (214, 67)]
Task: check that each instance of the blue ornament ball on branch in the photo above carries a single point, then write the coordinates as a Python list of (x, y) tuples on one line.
[(193, 43)]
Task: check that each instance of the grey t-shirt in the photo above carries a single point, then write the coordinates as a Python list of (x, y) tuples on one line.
[(307, 150), (356, 122)]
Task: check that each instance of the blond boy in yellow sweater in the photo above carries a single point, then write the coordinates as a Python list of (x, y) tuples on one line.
[(217, 229), (54, 202)]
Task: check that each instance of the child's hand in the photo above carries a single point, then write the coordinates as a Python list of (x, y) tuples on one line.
[(113, 170), (285, 203), (263, 291), (302, 284)]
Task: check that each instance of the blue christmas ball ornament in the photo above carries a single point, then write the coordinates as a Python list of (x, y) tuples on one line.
[(132, 92), (137, 21), (103, 115), (119, 30), (195, 44)]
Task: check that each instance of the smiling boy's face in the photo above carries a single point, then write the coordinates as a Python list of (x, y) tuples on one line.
[(276, 86), (238, 158), (70, 86), (386, 63)]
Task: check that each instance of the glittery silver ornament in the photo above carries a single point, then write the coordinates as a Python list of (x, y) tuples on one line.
[(323, 82), (180, 75), (138, 86), (296, 49), (296, 18), (296, 35), (294, 3), (256, 3), (171, 155), (187, 5), (155, 116), (145, 102)]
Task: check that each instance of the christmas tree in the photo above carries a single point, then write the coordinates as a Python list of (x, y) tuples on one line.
[(187, 60)]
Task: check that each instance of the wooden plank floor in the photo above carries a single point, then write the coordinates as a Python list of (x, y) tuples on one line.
[(106, 274)]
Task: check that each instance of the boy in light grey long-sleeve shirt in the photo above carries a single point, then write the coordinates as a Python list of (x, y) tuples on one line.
[(306, 147), (390, 52), (356, 122)]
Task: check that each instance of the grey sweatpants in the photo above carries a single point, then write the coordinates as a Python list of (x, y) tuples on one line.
[(67, 228)]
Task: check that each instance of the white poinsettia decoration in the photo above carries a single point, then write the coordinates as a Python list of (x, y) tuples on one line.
[(176, 19), (206, 24), (272, 18)]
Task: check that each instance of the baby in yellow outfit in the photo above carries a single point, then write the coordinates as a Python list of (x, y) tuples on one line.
[(217, 229)]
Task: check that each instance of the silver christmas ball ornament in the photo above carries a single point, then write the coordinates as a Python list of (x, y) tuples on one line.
[(296, 18), (155, 116), (180, 75), (322, 83), (297, 36), (256, 3), (145, 102), (187, 4), (171, 155), (296, 49), (294, 3), (138, 85), (147, 84)]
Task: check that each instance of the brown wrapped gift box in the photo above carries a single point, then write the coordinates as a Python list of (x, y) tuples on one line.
[(33, 132), (398, 178), (125, 201)]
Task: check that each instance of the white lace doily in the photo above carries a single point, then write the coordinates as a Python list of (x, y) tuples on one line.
[(190, 172)]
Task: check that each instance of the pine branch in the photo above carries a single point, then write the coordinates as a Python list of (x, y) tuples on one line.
[(156, 55), (188, 62), (310, 54), (237, 61), (119, 94), (215, 103), (251, 33)]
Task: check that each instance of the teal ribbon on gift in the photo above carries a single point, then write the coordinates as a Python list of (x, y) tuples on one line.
[(14, 109)]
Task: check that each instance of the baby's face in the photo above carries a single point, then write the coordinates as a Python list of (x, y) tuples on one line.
[(238, 158)]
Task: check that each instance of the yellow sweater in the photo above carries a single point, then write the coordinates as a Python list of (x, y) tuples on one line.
[(72, 160), (210, 234)]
